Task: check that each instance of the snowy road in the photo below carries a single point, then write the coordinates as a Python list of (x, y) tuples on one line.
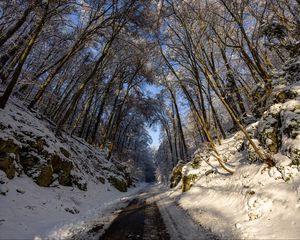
[(137, 221), (153, 215)]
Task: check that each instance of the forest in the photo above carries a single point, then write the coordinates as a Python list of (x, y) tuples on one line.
[(198, 72), (85, 65)]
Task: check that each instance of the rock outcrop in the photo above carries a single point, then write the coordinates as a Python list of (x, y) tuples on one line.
[(29, 146)]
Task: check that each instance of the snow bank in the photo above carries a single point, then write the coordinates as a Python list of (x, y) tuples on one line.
[(255, 202)]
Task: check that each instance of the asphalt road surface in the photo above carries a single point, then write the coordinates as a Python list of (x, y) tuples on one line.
[(139, 220)]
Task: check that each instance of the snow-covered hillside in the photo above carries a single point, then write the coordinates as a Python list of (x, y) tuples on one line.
[(48, 181), (257, 201)]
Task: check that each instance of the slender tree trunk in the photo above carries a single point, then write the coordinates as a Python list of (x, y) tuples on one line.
[(113, 134), (173, 96), (88, 130), (200, 119), (57, 110), (111, 117), (231, 77), (101, 108), (174, 162), (84, 113), (11, 31), (218, 123), (4, 98), (177, 155), (267, 159), (49, 79)]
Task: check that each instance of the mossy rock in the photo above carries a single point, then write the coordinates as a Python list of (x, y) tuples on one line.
[(128, 178), (284, 95), (118, 184), (56, 163), (295, 156), (291, 122), (176, 175), (65, 180), (269, 131), (78, 182), (9, 151), (63, 169), (39, 144), (28, 161), (188, 181), (7, 166), (101, 179), (8, 146), (45, 177), (59, 164), (195, 164)]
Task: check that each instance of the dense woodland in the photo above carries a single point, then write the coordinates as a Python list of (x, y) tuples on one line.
[(88, 65)]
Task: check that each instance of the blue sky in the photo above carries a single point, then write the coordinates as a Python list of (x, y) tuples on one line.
[(154, 134), (153, 131)]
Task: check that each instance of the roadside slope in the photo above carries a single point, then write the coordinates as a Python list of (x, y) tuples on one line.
[(47, 181)]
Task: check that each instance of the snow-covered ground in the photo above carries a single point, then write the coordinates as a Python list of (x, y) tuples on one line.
[(256, 202), (248, 205), (29, 211)]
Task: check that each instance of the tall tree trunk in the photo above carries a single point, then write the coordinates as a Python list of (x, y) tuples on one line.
[(10, 32), (101, 108), (88, 130), (84, 113), (117, 122), (177, 155), (49, 79), (200, 119), (179, 123), (231, 78), (15, 77), (240, 126), (110, 121)]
